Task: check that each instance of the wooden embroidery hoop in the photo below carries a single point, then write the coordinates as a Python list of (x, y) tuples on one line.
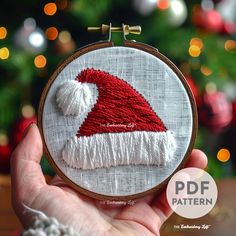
[(105, 44)]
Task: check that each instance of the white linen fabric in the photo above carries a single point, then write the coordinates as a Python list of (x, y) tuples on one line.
[(157, 83)]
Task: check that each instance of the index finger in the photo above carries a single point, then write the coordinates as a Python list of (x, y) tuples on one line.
[(26, 174)]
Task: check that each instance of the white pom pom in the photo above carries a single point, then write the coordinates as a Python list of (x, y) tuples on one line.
[(73, 97)]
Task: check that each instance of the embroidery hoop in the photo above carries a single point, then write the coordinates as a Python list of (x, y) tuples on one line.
[(103, 45)]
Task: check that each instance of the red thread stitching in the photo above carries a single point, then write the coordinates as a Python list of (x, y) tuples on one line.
[(119, 107)]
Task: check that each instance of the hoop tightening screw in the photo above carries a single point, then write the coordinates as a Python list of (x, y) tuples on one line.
[(126, 29)]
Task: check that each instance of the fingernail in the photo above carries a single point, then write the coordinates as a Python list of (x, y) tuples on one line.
[(28, 128)]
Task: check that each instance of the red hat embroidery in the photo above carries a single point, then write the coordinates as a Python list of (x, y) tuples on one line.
[(121, 128)]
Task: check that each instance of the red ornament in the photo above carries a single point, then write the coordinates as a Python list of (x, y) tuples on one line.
[(19, 129), (5, 152), (198, 16), (193, 88), (215, 111), (228, 28), (210, 20), (234, 115), (213, 21)]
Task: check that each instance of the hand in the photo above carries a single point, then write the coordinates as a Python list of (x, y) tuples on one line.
[(85, 215)]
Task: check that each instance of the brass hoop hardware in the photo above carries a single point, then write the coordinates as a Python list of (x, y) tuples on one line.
[(126, 29)]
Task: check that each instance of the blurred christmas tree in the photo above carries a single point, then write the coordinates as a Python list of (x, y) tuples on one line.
[(199, 36)]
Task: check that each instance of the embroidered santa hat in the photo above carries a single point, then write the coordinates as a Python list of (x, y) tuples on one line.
[(121, 128)]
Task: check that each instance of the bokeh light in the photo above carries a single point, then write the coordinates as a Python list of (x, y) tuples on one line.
[(223, 155), (27, 111), (197, 42), (214, 21), (185, 67), (64, 36), (163, 4), (30, 23), (36, 39), (50, 9), (211, 87), (230, 45), (4, 53), (62, 4), (207, 5), (40, 61), (206, 71), (3, 32), (194, 51), (3, 139), (51, 33)]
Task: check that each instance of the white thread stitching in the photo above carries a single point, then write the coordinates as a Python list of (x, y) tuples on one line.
[(74, 97), (113, 149)]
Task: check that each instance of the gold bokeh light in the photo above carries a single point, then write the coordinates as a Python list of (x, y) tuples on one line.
[(194, 51), (27, 111), (206, 71), (223, 155), (3, 32), (230, 45), (197, 42), (51, 33), (3, 139), (4, 53), (40, 61), (50, 9)]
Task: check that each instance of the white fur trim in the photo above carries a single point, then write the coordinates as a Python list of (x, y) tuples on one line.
[(73, 97), (113, 149)]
